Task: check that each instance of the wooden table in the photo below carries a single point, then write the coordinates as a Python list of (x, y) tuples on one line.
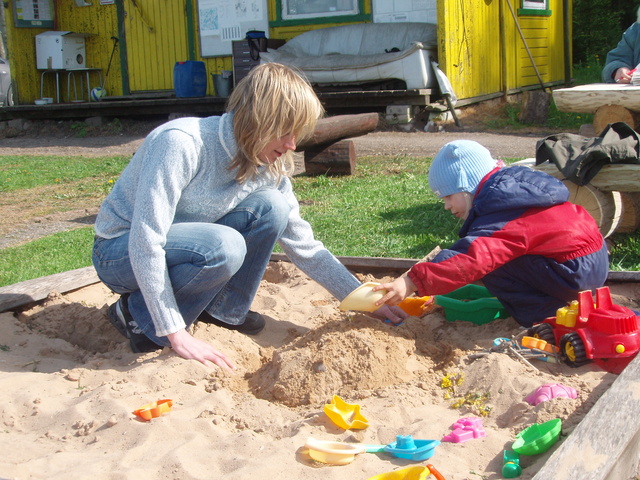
[(609, 102)]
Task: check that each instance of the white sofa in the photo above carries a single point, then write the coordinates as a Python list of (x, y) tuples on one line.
[(356, 53)]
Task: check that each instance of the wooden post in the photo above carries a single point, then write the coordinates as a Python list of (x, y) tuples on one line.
[(337, 158)]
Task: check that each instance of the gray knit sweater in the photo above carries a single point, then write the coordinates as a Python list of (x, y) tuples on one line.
[(180, 174)]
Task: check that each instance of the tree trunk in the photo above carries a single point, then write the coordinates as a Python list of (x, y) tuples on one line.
[(535, 107), (630, 220)]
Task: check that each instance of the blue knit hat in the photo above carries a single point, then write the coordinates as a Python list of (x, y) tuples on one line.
[(459, 166)]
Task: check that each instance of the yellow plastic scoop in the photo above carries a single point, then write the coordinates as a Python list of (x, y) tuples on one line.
[(363, 298), (337, 453), (410, 473)]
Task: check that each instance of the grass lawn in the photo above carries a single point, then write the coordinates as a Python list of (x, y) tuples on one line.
[(385, 210)]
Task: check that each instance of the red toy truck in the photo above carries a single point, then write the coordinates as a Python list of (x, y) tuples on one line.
[(605, 333)]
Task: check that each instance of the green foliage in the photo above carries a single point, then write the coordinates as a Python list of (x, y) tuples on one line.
[(625, 252), (598, 26)]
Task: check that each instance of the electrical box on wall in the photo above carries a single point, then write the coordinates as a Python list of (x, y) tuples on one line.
[(60, 50)]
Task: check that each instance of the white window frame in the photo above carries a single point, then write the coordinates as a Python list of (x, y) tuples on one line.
[(534, 4), (354, 10)]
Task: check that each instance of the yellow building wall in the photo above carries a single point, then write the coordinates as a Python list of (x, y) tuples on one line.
[(156, 35), (482, 51), (479, 49), (98, 20)]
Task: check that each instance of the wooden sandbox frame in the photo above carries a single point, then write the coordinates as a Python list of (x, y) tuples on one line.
[(604, 446)]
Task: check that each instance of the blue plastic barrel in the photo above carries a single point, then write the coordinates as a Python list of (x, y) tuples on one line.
[(190, 79)]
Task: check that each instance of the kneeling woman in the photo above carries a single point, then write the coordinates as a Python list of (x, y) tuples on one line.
[(188, 229)]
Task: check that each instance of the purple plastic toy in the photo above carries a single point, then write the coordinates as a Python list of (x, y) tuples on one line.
[(549, 391), (466, 428)]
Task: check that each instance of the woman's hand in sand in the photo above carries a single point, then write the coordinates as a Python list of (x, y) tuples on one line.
[(189, 347), (393, 314), (397, 290)]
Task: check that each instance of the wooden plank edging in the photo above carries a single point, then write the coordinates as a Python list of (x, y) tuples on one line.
[(29, 291), (604, 445)]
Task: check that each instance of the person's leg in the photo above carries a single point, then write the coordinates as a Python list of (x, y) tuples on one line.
[(201, 258), (260, 218), (530, 288), (533, 287)]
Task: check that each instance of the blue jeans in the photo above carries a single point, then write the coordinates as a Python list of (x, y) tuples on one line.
[(215, 267)]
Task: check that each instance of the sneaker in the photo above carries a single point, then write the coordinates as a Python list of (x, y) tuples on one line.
[(119, 316), (252, 325)]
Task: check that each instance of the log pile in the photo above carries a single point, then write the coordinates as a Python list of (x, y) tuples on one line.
[(327, 152)]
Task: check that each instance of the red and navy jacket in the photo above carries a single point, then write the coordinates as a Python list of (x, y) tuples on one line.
[(516, 212)]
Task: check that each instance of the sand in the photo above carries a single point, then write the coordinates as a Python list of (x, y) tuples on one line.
[(70, 385)]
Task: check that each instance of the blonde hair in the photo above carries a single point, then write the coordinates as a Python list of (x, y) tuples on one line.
[(270, 102)]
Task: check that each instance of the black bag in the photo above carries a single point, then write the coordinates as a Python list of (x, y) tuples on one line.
[(257, 43), (580, 158)]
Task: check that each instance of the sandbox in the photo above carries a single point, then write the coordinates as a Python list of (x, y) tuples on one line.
[(71, 386)]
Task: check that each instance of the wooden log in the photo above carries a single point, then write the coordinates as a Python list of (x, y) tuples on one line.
[(587, 98), (604, 207), (535, 107), (607, 114), (630, 219), (336, 159), (332, 129)]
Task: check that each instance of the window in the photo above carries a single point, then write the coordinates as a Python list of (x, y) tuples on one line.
[(304, 9), (534, 4), (535, 7)]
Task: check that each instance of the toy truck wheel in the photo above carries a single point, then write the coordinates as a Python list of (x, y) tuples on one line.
[(572, 350), (543, 331)]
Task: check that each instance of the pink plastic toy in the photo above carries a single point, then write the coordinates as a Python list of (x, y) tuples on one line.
[(549, 391), (465, 429)]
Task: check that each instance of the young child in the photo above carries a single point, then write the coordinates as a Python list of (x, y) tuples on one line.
[(531, 248)]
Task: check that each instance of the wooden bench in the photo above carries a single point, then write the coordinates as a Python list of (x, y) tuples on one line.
[(608, 102), (612, 197)]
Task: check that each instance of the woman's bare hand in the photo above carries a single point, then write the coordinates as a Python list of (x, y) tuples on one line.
[(189, 347)]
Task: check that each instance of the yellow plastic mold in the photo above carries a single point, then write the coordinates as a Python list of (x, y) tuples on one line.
[(410, 473), (345, 415)]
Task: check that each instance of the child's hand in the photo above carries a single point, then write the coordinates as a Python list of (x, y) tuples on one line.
[(394, 314), (397, 290)]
